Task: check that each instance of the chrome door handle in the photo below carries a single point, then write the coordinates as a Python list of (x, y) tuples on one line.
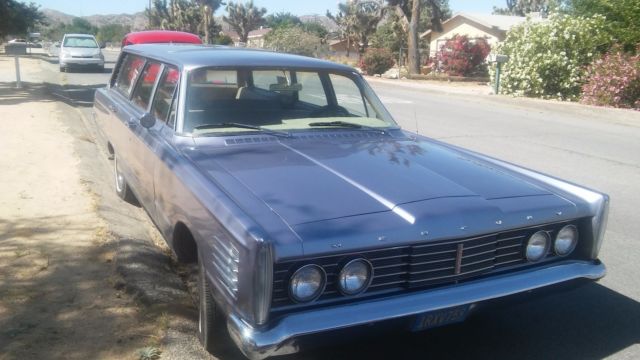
[(132, 123), (113, 109)]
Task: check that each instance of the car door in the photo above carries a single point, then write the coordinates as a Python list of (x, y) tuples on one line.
[(121, 118), (163, 108), (145, 140)]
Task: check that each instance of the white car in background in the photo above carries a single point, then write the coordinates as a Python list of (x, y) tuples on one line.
[(81, 51)]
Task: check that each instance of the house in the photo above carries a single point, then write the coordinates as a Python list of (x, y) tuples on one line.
[(493, 28), (338, 48), (255, 40)]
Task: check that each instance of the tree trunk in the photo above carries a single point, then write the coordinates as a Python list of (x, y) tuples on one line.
[(348, 45), (414, 39)]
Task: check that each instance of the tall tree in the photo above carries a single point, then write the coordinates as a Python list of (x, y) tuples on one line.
[(409, 12), (524, 7), (622, 18), (345, 19), (243, 18), (208, 26), (18, 18), (181, 15), (358, 21), (282, 19)]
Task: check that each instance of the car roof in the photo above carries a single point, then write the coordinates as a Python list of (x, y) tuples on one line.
[(194, 56), (161, 36)]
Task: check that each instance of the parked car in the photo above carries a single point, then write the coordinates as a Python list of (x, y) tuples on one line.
[(159, 37), (80, 51), (307, 208)]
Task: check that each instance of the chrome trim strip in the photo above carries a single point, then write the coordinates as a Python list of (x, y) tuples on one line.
[(279, 339)]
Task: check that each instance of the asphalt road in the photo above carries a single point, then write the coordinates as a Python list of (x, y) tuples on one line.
[(599, 148)]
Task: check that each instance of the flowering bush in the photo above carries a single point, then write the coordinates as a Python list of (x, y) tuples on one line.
[(460, 56), (377, 61), (548, 59), (614, 80)]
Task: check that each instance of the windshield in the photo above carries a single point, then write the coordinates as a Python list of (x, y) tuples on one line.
[(80, 42), (279, 100)]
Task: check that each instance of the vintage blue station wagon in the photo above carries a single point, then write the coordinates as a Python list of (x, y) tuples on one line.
[(307, 209)]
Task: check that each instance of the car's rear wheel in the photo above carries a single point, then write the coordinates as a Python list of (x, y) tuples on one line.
[(211, 330), (122, 187)]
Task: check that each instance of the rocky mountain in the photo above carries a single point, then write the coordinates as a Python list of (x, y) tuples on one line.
[(328, 24), (137, 21)]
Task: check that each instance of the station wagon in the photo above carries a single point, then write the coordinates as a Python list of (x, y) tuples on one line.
[(308, 209)]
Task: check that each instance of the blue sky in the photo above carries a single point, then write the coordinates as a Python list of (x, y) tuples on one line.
[(298, 7)]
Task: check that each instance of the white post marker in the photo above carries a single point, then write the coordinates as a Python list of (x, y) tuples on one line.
[(18, 83)]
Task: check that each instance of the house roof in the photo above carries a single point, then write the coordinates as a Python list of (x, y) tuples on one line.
[(499, 22), (259, 33)]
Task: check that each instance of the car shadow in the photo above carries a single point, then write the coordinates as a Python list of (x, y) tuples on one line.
[(74, 95), (590, 322)]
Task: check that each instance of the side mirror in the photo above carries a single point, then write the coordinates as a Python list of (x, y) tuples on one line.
[(103, 45), (147, 120)]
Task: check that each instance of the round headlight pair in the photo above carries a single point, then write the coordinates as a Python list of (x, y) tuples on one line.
[(309, 281), (540, 242)]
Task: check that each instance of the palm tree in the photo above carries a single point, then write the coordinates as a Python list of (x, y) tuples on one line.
[(243, 18)]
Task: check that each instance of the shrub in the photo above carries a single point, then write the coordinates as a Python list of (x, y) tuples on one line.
[(613, 80), (376, 61), (294, 40), (461, 56), (548, 59)]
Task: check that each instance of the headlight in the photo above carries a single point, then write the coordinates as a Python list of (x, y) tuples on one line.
[(307, 283), (566, 240), (538, 246), (355, 277)]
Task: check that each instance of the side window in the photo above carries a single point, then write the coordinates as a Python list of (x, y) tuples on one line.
[(129, 70), (312, 91), (142, 93), (348, 95), (164, 94)]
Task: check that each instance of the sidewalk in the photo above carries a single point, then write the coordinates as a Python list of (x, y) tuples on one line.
[(57, 295), (442, 87)]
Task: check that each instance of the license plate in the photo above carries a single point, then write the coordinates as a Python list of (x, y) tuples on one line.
[(442, 317)]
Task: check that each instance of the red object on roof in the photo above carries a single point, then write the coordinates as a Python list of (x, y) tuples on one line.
[(160, 36)]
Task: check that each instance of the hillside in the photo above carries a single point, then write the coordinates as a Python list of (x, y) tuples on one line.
[(137, 21)]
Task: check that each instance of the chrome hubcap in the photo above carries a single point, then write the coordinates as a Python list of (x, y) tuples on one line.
[(119, 177)]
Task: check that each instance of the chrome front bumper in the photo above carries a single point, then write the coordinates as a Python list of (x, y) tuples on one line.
[(279, 339)]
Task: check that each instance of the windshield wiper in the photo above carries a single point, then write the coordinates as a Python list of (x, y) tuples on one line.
[(243, 126), (347, 124)]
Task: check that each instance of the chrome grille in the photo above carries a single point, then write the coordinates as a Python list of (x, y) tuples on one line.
[(420, 265)]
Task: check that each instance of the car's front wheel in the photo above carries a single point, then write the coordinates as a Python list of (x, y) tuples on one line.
[(211, 329), (122, 188)]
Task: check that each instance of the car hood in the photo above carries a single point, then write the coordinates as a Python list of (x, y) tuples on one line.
[(306, 181)]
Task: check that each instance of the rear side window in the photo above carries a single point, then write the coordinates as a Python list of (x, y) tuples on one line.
[(165, 94), (129, 70), (142, 94)]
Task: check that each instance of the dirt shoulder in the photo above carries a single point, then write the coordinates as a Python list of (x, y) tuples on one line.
[(59, 294)]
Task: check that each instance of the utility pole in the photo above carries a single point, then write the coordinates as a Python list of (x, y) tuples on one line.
[(149, 14)]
